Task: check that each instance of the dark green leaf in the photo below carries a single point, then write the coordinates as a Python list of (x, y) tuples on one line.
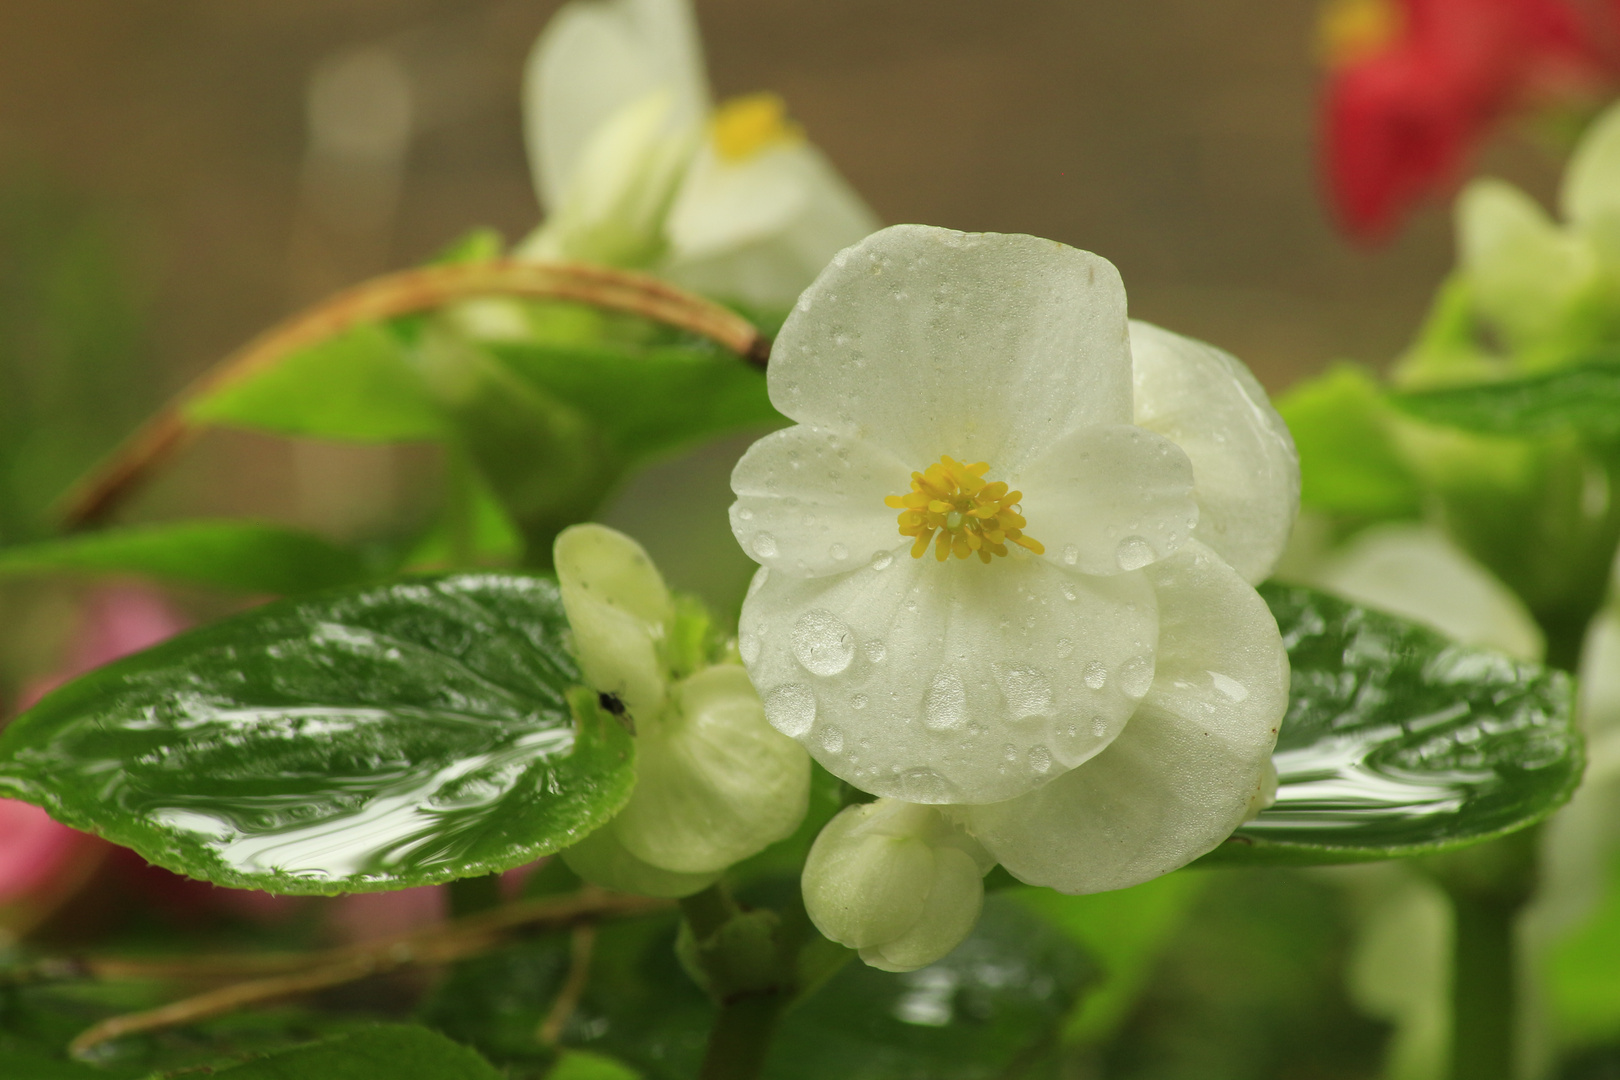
[(386, 1051), (368, 739), (648, 400), (1400, 742), (1582, 397), (359, 386), (1348, 461), (241, 555)]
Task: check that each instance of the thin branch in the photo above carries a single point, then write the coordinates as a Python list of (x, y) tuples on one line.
[(581, 946), (389, 296), (440, 944)]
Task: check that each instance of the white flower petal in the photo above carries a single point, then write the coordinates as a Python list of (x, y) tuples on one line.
[(594, 58), (1178, 779), (1109, 498), (619, 610), (602, 860), (955, 898), (1526, 272), (714, 782), (810, 502), (1245, 469), (952, 682), (981, 346), (1591, 192), (1416, 571), (761, 230)]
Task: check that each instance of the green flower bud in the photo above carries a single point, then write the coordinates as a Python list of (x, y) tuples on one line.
[(896, 881), (602, 860), (620, 611), (715, 783)]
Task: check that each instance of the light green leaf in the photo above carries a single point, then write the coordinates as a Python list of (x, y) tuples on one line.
[(1349, 463), (397, 1052), (579, 1065), (1400, 742), (244, 556), (368, 739), (359, 386), (1582, 397)]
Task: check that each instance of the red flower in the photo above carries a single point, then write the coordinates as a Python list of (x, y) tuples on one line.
[(1417, 84)]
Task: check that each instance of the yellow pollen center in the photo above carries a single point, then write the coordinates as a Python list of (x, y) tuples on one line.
[(743, 126), (952, 506), (1348, 31)]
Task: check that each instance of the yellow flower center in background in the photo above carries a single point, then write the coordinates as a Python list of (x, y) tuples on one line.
[(951, 505), (1352, 30), (743, 126)]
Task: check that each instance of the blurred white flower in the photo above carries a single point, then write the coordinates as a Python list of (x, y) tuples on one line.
[(1054, 631), (636, 167), (714, 783)]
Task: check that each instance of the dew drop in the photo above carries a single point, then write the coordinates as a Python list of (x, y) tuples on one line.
[(745, 514), (1010, 752), (858, 702), (1040, 759), (1136, 675), (748, 646), (1065, 647), (876, 651), (1028, 693), (882, 560), (1099, 726), (832, 740), (765, 545), (1133, 553), (839, 552), (1069, 592), (1229, 687), (1096, 675), (791, 709), (946, 706), (923, 786), (1071, 555), (822, 643)]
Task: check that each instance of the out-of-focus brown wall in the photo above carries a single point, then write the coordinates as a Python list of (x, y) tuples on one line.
[(1175, 137)]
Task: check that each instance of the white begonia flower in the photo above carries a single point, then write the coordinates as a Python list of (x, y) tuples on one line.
[(714, 782), (1529, 273), (896, 881), (636, 167), (1002, 635)]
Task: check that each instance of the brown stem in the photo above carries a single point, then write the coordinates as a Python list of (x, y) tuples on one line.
[(440, 944), (391, 295), (582, 945)]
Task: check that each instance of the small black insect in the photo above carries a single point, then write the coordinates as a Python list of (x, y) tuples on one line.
[(611, 703)]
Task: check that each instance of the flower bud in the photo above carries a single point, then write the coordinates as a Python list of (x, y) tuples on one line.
[(602, 860), (896, 881), (620, 611)]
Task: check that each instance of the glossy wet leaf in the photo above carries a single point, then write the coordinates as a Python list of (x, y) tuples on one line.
[(358, 386), (1582, 397), (358, 740), (396, 1052), (244, 556), (1400, 742), (1349, 463)]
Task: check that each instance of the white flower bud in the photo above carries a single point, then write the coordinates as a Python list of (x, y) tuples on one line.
[(620, 611), (896, 881), (602, 860), (715, 783)]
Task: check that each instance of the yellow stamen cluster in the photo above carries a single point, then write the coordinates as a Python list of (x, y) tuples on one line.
[(952, 506), (743, 126)]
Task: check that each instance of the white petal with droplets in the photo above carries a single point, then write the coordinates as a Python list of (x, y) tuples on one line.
[(1178, 780)]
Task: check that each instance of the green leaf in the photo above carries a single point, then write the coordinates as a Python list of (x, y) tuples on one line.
[(628, 390), (1349, 463), (1400, 742), (359, 386), (1583, 397), (396, 1052), (368, 739), (245, 556), (579, 1065)]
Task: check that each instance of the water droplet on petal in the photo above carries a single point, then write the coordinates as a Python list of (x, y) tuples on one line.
[(745, 514), (1028, 693), (1010, 752), (748, 646), (765, 545), (1071, 555), (1133, 553), (1099, 726), (791, 709), (1096, 675), (832, 740), (1040, 759), (1065, 647), (876, 651), (923, 786), (858, 702), (946, 706), (1136, 675), (839, 552), (882, 560), (822, 643)]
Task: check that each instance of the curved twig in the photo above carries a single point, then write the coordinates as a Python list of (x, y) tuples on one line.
[(403, 293), (295, 975)]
